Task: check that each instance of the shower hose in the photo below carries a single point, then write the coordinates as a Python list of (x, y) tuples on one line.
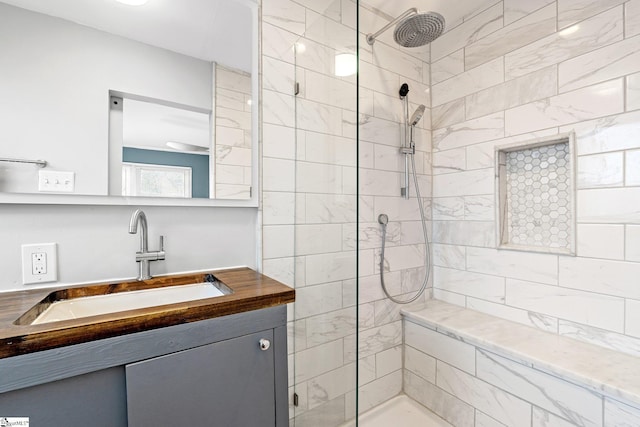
[(383, 219)]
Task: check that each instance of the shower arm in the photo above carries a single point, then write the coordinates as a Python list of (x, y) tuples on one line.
[(371, 38)]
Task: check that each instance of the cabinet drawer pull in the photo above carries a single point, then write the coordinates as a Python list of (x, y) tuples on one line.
[(264, 344)]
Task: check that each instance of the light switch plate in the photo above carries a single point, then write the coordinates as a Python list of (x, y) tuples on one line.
[(39, 263), (56, 181)]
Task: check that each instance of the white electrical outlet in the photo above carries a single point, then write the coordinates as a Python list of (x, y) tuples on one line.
[(39, 263)]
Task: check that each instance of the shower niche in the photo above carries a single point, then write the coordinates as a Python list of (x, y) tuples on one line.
[(535, 191)]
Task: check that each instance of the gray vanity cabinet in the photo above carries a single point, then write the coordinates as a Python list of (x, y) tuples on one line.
[(228, 383), (229, 371)]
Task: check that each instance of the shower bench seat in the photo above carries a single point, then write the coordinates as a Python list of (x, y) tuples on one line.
[(479, 367)]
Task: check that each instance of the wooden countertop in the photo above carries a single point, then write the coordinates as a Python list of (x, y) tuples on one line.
[(251, 291)]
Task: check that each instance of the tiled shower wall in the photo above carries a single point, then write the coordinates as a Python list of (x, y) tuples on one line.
[(517, 71), (309, 200)]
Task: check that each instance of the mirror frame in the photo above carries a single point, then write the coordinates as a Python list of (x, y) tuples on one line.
[(256, 131)]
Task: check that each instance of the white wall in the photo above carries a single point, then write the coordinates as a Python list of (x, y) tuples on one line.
[(55, 84), (94, 243), (515, 72)]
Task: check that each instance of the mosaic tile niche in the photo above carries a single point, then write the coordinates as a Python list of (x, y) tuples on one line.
[(536, 202)]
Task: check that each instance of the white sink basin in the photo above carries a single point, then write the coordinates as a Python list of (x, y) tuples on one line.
[(111, 303)]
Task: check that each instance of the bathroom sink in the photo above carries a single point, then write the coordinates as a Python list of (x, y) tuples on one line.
[(75, 308)]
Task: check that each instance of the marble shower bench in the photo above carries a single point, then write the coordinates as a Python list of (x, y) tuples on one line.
[(474, 369)]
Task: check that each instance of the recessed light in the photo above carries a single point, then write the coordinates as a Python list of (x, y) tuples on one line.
[(133, 2)]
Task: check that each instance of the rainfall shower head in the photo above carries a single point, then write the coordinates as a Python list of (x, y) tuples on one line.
[(414, 28), (417, 115)]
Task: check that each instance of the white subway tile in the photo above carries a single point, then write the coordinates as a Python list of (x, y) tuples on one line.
[(377, 79), (468, 183), (278, 241), (517, 9), (379, 338), (317, 299), (579, 405), (388, 361), (332, 33), (470, 233), (451, 256), (440, 346), (632, 318), (314, 56), (379, 183), (532, 27), (632, 18), (601, 170), (278, 108), (278, 208), (591, 34), (632, 243), (330, 149), (606, 63), (494, 402), (330, 267), (330, 208), (479, 78), (611, 205), (542, 418), (331, 385), (448, 114), (397, 61), (611, 133), (525, 317), (615, 341), (318, 178), (473, 29), (531, 87), (380, 131), (541, 268), (479, 208), (327, 89), (633, 92), (401, 257), (603, 99), (285, 14), (420, 364), (482, 286), (617, 414), (450, 297), (330, 326), (318, 238), (632, 167), (277, 75), (447, 67), (318, 360), (278, 141), (379, 391), (278, 43), (469, 132), (601, 241), (448, 208), (318, 117), (583, 307), (572, 11), (442, 403)]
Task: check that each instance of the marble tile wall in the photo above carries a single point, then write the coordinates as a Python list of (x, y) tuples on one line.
[(471, 386), (522, 70), (309, 204)]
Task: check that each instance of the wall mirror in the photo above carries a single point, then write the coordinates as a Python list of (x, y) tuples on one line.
[(150, 104)]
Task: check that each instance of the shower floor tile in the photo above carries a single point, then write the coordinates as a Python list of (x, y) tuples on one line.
[(399, 411)]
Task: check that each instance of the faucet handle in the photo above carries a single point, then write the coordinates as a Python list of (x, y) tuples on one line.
[(162, 243)]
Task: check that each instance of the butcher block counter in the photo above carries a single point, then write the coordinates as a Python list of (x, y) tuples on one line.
[(249, 291)]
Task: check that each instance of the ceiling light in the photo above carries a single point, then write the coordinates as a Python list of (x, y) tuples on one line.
[(346, 64), (133, 2)]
